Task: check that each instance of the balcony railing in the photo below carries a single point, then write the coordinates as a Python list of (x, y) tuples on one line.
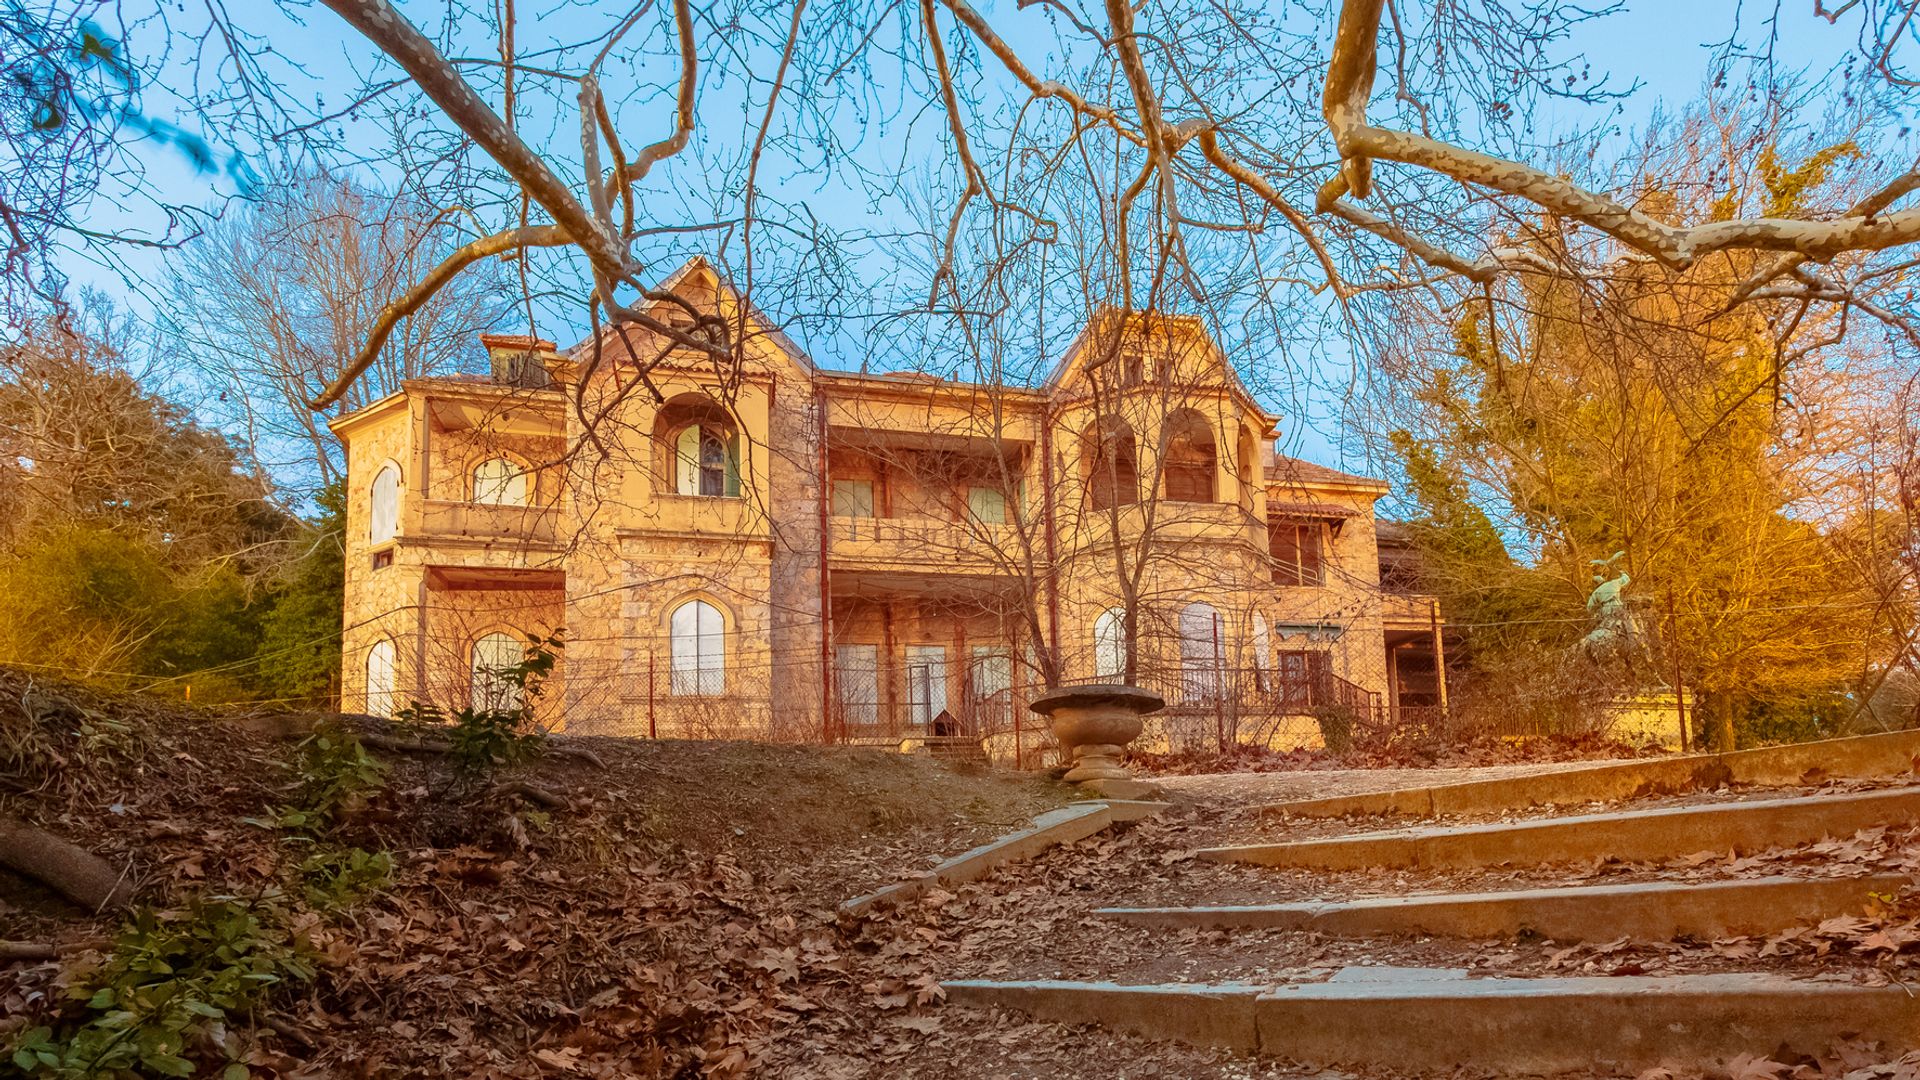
[(925, 540), (1408, 610), (442, 518)]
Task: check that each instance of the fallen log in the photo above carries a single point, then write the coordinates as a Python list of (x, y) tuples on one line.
[(73, 872)]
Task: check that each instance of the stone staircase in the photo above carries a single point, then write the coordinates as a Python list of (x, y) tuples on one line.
[(955, 749), (1439, 1016)]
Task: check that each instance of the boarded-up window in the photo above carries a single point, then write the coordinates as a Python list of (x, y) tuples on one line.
[(383, 505), (380, 678), (1296, 550), (699, 641), (1262, 653), (1110, 643), (856, 682), (492, 656), (499, 482), (1191, 458), (1202, 653), (1114, 478)]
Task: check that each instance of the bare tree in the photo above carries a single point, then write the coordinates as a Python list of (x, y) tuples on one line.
[(271, 301)]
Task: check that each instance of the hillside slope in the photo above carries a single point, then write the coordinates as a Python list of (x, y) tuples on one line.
[(670, 912)]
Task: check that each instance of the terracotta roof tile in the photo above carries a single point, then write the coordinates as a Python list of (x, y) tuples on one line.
[(1281, 469)]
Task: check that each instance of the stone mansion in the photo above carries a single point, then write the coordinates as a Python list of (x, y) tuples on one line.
[(776, 550)]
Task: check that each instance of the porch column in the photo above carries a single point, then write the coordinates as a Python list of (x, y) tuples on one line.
[(1439, 652), (1393, 678)]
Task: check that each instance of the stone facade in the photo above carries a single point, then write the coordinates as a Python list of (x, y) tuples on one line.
[(778, 551)]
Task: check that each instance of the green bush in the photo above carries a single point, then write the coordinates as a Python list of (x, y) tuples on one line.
[(1336, 727), (340, 879), (483, 739), (336, 773), (174, 986)]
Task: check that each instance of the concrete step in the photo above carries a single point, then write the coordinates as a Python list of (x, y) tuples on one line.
[(1631, 836), (1659, 910), (1410, 1020), (953, 748), (1890, 754)]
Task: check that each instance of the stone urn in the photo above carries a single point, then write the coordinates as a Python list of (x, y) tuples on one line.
[(1093, 725)]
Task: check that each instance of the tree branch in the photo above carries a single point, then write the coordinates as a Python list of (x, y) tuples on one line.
[(424, 290)]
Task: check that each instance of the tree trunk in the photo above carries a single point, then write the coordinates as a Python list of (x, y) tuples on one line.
[(1720, 729), (75, 873)]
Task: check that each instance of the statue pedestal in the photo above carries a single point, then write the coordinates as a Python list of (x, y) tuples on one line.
[(1093, 725)]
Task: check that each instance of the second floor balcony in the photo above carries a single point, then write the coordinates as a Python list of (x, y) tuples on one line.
[(1410, 611), (926, 545), (533, 526)]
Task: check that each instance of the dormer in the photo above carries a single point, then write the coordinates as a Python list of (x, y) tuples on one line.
[(525, 361)]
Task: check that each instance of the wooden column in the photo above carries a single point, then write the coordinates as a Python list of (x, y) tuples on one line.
[(1439, 652)]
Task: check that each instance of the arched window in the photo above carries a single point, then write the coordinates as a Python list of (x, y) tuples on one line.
[(499, 482), (380, 678), (1191, 458), (491, 654), (383, 504), (1113, 477), (706, 461), (699, 650), (1202, 651), (1110, 644), (1262, 653)]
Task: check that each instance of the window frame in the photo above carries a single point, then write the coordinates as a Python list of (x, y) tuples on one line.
[(1202, 674), (856, 666), (927, 667), (516, 472), (1110, 644), (391, 515), (1112, 473), (697, 655), (487, 689), (693, 470), (387, 695), (1191, 466), (1299, 571), (999, 517), (850, 485)]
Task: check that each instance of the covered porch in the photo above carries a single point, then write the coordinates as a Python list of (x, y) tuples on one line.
[(926, 657)]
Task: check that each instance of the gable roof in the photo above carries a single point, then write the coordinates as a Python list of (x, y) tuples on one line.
[(723, 287), (1069, 363)]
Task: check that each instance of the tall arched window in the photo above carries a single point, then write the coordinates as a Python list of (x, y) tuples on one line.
[(1202, 651), (499, 482), (699, 650), (706, 461), (380, 678), (1191, 457), (1113, 477), (1110, 644), (1262, 653), (383, 504), (491, 654)]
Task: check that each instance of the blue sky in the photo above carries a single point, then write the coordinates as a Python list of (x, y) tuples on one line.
[(1664, 45)]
